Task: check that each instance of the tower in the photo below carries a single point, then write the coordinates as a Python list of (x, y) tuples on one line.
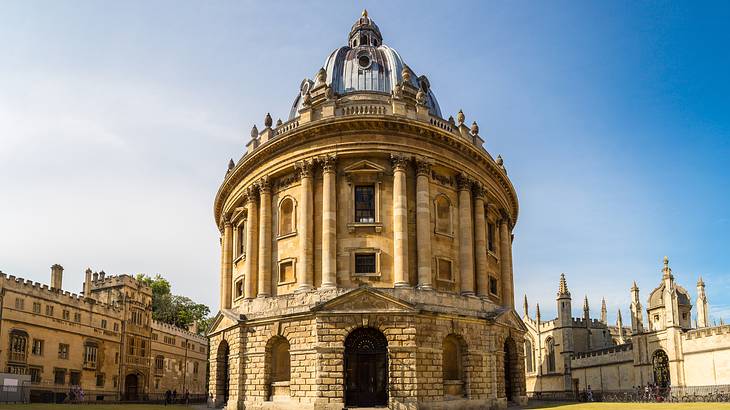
[(702, 304), (604, 312), (669, 295), (637, 316), (565, 316), (586, 309), (620, 325), (564, 332)]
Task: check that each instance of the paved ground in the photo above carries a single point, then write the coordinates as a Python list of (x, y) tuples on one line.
[(630, 406)]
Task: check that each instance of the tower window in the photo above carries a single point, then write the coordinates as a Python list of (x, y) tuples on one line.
[(365, 204), (493, 288), (364, 263), (490, 237)]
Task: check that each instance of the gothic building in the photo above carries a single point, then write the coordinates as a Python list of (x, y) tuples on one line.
[(568, 354), (366, 251)]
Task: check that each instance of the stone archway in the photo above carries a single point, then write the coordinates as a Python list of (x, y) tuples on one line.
[(131, 386), (660, 367), (511, 370), (366, 368), (222, 376)]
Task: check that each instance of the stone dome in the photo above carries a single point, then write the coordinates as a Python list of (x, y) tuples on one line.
[(365, 65), (656, 298)]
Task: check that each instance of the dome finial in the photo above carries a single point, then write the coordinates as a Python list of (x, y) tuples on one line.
[(364, 12)]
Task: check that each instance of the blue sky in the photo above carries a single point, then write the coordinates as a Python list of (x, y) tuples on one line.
[(117, 120)]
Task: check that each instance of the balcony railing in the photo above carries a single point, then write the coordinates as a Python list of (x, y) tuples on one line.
[(138, 361)]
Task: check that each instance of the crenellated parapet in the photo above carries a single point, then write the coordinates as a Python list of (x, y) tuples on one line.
[(178, 331)]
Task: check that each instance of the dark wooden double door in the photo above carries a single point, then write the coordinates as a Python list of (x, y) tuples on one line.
[(366, 369)]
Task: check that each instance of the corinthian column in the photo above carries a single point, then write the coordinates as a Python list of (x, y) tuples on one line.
[(329, 223), (466, 236), (505, 261), (226, 265), (264, 274), (249, 288), (423, 224), (305, 273), (480, 241), (400, 221)]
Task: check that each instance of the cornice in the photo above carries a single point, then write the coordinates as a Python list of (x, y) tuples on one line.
[(354, 125)]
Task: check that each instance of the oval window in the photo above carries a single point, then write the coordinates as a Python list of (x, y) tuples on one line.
[(363, 61)]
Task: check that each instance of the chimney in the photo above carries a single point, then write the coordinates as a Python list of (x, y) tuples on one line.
[(102, 274), (87, 284), (96, 276), (56, 276)]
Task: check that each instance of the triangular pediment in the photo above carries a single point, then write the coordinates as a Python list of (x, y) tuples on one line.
[(364, 166), (510, 319), (365, 300), (223, 320)]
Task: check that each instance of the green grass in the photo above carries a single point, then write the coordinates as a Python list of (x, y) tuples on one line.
[(631, 406), (34, 406)]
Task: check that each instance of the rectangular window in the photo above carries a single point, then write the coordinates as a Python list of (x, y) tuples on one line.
[(115, 381), (493, 289), (286, 272), (35, 374), (364, 263), (239, 288), (116, 326), (154, 336), (103, 323), (37, 347), (365, 204), (241, 239), (116, 358), (66, 314), (59, 376), (143, 348), (90, 353), (49, 310), (77, 317), (36, 307), (130, 345), (19, 303), (100, 380), (490, 237), (444, 269), (159, 362), (75, 378), (62, 351)]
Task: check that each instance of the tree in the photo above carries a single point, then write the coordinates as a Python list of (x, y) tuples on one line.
[(176, 310)]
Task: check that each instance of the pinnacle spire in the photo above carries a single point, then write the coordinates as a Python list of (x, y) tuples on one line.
[(634, 287), (666, 271), (585, 303), (364, 12), (700, 282), (537, 310), (619, 320), (525, 306), (563, 288)]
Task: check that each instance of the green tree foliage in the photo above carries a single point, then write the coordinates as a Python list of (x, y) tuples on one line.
[(176, 310)]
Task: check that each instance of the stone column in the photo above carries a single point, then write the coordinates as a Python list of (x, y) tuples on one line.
[(329, 223), (505, 261), (466, 236), (400, 221), (264, 274), (226, 265), (423, 224), (305, 273), (480, 242), (252, 231)]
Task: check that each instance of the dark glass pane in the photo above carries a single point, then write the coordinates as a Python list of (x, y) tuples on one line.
[(365, 204), (365, 263)]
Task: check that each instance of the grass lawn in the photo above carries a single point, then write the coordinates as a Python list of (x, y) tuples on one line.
[(34, 406), (631, 406)]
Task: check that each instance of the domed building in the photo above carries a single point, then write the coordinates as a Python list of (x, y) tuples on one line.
[(366, 251)]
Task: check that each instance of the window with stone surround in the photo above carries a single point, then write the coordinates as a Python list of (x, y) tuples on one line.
[(278, 367), (529, 356), (365, 204), (365, 262), (444, 270), (36, 307), (365, 180), (35, 374), (59, 376), (491, 237), (452, 365), (18, 345), (63, 350), (74, 378), (287, 271), (100, 380), (550, 359), (37, 347), (493, 285), (238, 288), (442, 210), (19, 303), (287, 217), (90, 355)]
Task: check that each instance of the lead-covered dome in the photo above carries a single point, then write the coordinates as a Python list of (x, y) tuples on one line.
[(365, 65)]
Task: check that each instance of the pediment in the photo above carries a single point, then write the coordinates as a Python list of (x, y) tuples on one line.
[(365, 300), (510, 319), (364, 166), (223, 320)]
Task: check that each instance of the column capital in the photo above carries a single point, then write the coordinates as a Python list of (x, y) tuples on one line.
[(264, 185), (463, 182), (480, 191), (423, 167), (305, 168), (328, 162), (227, 223), (252, 193), (399, 161)]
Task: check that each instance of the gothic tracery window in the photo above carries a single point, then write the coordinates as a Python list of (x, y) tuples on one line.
[(550, 347)]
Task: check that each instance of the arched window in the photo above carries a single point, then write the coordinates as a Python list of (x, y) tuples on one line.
[(443, 215), (18, 345), (660, 365), (90, 354), (279, 364), (550, 347), (287, 216), (529, 356), (453, 374), (159, 364)]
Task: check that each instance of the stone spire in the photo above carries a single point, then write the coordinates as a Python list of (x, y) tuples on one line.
[(604, 311), (667, 271), (620, 325), (703, 306), (637, 316), (537, 311), (563, 287), (586, 309), (525, 307)]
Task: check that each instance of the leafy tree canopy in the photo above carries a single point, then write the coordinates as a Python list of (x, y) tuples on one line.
[(176, 310)]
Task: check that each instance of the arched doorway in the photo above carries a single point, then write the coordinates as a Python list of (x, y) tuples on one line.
[(660, 365), (222, 375), (131, 387), (511, 373), (366, 368)]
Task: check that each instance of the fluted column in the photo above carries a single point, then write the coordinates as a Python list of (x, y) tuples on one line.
[(505, 260), (264, 274), (329, 223), (305, 273), (400, 221), (466, 236), (226, 265), (252, 230), (480, 242), (423, 224)]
